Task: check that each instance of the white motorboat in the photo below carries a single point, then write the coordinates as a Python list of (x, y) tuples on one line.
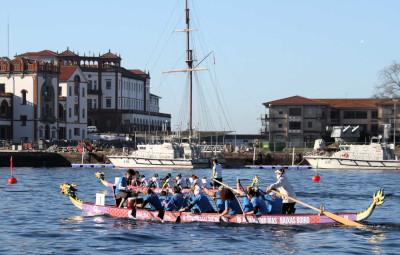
[(166, 155), (373, 156)]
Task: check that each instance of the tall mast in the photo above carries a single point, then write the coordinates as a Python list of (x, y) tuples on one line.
[(189, 62)]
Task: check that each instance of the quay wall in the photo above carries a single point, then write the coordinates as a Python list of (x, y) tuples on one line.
[(65, 159)]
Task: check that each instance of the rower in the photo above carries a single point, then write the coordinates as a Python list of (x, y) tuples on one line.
[(176, 202), (216, 173), (143, 181), (283, 186), (121, 189), (181, 182), (152, 200), (200, 203), (167, 181), (230, 202), (259, 206), (154, 183)]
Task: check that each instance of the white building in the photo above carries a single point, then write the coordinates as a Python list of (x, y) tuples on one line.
[(118, 99), (72, 113), (32, 87)]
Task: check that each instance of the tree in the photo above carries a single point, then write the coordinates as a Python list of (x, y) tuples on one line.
[(389, 86)]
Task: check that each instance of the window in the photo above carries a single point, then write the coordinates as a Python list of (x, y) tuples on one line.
[(69, 112), (83, 92), (108, 84), (89, 85), (59, 90), (108, 102), (280, 112), (94, 85), (69, 133), (374, 114), (2, 88), (76, 131), (280, 125), (69, 91), (295, 112), (335, 114), (23, 93), (76, 110), (309, 124), (89, 103), (23, 120), (83, 134), (94, 104), (83, 113), (355, 115), (294, 125)]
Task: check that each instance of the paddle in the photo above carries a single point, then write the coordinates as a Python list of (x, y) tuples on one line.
[(235, 191), (333, 216)]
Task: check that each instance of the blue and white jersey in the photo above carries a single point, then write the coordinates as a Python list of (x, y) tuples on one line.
[(260, 207)]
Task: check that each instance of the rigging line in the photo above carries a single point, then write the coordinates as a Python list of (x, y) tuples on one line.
[(163, 33), (163, 48), (220, 103), (183, 107), (206, 114)]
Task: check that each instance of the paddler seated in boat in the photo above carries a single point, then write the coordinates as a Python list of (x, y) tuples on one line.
[(247, 206), (152, 201), (181, 182), (176, 202), (121, 189), (216, 173), (199, 203), (259, 206), (283, 186), (230, 202), (194, 182), (166, 181), (143, 181), (132, 180), (154, 183)]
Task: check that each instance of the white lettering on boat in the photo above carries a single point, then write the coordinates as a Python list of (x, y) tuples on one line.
[(294, 220)]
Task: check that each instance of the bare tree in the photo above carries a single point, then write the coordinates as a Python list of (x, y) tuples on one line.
[(389, 86)]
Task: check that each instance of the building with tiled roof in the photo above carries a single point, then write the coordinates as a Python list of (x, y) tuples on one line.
[(118, 99), (298, 121)]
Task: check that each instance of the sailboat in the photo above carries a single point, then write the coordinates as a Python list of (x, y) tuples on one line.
[(175, 155)]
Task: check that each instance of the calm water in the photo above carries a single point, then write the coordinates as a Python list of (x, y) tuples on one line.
[(35, 218)]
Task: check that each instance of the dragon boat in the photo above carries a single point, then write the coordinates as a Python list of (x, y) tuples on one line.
[(91, 209)]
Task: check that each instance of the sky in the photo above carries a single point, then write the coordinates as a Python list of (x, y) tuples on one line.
[(262, 50)]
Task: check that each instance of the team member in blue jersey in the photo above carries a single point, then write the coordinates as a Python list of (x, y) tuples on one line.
[(200, 203), (121, 189), (231, 203), (176, 202), (152, 200), (259, 205)]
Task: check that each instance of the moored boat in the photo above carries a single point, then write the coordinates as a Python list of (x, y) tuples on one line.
[(91, 209), (373, 156)]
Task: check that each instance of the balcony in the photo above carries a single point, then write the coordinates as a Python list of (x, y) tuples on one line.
[(93, 91)]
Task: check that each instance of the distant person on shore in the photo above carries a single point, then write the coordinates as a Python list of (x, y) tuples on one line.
[(216, 173), (283, 186)]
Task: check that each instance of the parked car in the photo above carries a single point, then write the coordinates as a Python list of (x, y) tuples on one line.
[(91, 129)]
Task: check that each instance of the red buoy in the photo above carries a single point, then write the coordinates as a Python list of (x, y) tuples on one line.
[(316, 178), (12, 180)]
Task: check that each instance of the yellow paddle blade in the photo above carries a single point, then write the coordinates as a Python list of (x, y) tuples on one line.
[(342, 220)]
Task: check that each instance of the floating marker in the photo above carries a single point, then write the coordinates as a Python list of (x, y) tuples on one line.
[(12, 179), (316, 178)]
